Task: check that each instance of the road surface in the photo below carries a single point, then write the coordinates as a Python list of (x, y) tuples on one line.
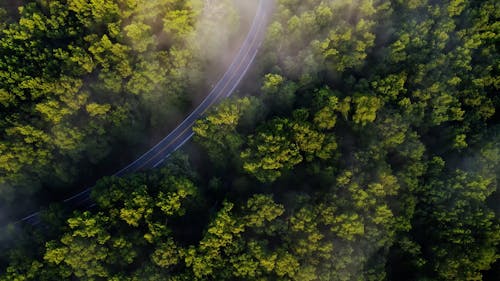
[(180, 135)]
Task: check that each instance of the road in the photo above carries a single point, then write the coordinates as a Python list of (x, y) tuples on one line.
[(183, 133)]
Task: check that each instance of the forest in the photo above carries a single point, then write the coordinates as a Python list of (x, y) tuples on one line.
[(364, 143), (86, 85)]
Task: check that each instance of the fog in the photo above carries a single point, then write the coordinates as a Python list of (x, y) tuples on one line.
[(219, 30)]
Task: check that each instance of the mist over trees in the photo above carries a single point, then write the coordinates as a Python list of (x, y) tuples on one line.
[(80, 81), (368, 149)]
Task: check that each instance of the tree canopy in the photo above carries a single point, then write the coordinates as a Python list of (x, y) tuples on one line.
[(366, 145)]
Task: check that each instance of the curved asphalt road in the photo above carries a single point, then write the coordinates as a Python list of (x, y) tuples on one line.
[(180, 135)]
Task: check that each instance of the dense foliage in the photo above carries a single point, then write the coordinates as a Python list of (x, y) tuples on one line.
[(78, 78), (370, 150)]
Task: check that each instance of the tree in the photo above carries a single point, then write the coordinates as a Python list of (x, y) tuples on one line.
[(271, 151), (465, 235), (366, 109), (218, 134)]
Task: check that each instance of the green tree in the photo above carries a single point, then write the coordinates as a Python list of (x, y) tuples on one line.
[(366, 108), (465, 235), (271, 151), (218, 134)]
